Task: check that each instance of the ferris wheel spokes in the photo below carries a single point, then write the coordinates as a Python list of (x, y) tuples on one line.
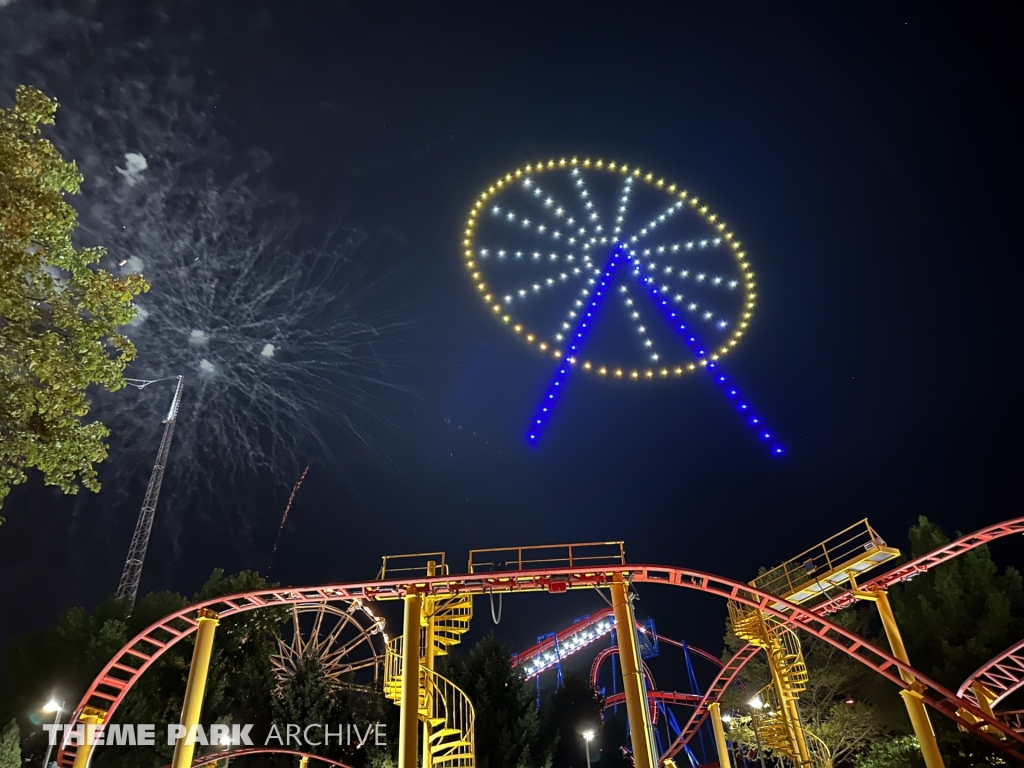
[(576, 337), (663, 302)]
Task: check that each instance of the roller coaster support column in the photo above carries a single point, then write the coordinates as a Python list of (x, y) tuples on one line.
[(912, 696), (637, 711), (427, 659), (715, 710), (195, 689), (304, 762), (408, 713), (90, 719)]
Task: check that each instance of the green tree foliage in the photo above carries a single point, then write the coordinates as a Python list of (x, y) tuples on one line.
[(307, 698), (10, 746), (952, 619), (901, 752), (834, 679), (508, 733), (66, 658), (957, 616), (59, 313)]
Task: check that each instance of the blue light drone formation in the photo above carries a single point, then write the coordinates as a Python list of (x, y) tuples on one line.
[(543, 255)]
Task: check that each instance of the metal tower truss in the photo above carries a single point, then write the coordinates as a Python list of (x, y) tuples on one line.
[(128, 589)]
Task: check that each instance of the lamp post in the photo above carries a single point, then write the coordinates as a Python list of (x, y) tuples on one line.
[(52, 706), (756, 703), (587, 737), (225, 741)]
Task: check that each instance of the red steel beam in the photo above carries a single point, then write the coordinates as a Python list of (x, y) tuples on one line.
[(1002, 675), (595, 667), (214, 757), (549, 643), (667, 697)]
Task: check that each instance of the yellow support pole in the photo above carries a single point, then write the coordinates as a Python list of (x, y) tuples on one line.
[(427, 655), (796, 731), (408, 713), (90, 718), (195, 689), (985, 698), (637, 710), (911, 697), (304, 761), (715, 710)]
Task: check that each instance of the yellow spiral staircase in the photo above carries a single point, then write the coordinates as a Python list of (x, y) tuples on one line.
[(778, 721), (443, 707)]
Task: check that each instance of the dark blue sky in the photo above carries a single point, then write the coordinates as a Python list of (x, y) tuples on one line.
[(869, 157)]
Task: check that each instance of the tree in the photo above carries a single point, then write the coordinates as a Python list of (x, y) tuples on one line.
[(901, 752), (59, 313), (68, 656), (575, 707), (507, 723), (957, 616), (837, 705), (10, 746), (954, 618), (306, 697)]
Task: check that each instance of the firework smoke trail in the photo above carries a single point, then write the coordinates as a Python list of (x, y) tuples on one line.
[(279, 334), (284, 519)]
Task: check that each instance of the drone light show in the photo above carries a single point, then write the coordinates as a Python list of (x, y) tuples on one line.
[(613, 271)]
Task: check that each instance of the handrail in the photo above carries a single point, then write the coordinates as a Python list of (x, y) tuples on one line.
[(421, 567), (522, 558), (833, 553)]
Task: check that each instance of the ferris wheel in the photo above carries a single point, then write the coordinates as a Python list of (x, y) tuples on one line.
[(611, 270), (344, 642)]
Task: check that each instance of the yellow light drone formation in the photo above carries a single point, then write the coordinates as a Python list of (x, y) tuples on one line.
[(546, 215)]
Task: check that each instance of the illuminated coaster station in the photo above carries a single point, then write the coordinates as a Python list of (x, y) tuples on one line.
[(550, 245), (438, 609)]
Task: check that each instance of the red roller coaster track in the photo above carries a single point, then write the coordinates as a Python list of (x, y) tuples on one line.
[(1002, 675), (119, 675), (595, 667), (668, 697), (550, 643), (899, 574), (214, 757)]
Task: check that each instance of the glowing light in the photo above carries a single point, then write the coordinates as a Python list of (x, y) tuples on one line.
[(585, 206)]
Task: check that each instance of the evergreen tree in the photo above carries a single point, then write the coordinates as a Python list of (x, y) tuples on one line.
[(10, 746), (507, 724), (959, 614), (568, 712)]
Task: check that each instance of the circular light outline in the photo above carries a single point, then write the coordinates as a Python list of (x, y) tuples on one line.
[(603, 369)]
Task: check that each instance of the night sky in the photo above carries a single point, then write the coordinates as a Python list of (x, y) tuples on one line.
[(868, 156)]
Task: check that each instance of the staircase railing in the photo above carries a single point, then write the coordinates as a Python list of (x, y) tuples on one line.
[(778, 722), (443, 705), (452, 719)]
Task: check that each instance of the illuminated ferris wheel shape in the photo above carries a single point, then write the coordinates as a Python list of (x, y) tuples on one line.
[(345, 640), (550, 243)]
